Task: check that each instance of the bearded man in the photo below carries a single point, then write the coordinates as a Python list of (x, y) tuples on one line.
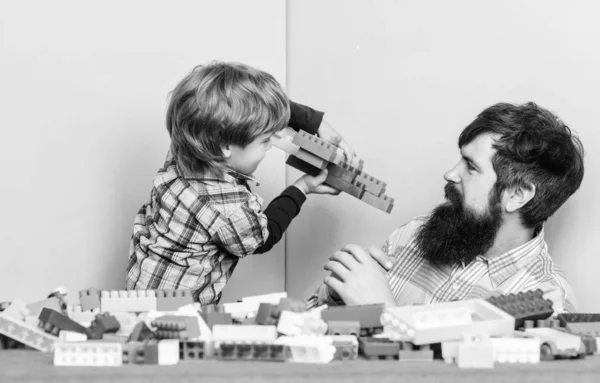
[(519, 164)]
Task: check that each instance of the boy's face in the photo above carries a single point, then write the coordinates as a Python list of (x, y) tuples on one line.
[(246, 160)]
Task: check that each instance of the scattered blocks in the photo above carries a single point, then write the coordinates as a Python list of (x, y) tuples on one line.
[(252, 351), (172, 300), (52, 322), (343, 328), (102, 324), (164, 352), (369, 316), (475, 352), (195, 350), (346, 346), (516, 350), (309, 349), (378, 348)]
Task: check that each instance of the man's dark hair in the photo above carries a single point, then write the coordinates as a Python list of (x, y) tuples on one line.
[(535, 148)]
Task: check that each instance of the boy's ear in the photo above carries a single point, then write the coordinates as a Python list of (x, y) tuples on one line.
[(226, 149), (518, 197)]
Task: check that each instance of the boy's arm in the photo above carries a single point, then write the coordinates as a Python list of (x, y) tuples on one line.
[(280, 213), (305, 118)]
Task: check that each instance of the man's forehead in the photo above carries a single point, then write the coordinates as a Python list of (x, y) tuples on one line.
[(481, 148)]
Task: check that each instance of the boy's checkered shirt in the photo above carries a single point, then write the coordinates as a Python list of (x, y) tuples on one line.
[(192, 232)]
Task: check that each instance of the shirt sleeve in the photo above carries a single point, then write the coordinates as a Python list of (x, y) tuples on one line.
[(245, 229), (305, 118), (561, 294), (280, 213)]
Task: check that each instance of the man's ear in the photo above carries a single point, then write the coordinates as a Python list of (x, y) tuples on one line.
[(518, 197), (226, 149)]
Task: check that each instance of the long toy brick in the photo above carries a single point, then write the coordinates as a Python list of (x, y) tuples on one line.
[(26, 334)]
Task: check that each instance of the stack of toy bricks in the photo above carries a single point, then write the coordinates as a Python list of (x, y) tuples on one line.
[(310, 154)]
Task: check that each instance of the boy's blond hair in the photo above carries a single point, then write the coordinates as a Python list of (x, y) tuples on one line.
[(218, 104)]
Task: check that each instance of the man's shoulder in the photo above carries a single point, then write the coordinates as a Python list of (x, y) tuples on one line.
[(403, 234)]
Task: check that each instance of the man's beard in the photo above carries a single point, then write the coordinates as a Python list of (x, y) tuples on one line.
[(454, 233)]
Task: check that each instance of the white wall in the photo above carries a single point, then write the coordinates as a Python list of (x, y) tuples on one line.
[(83, 93), (401, 79)]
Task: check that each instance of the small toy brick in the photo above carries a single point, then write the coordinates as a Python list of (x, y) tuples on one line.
[(26, 334), (248, 333), (343, 328), (411, 352), (378, 348), (346, 187), (284, 142), (195, 350), (440, 318), (475, 352), (81, 317), (369, 316), (140, 333), (133, 352), (383, 203), (163, 353), (312, 159), (357, 177), (114, 338), (53, 303), (346, 346), (89, 299), (214, 318), (252, 351), (268, 314), (172, 300), (71, 336), (566, 318), (52, 322), (318, 146), (102, 324), (128, 300), (529, 305), (309, 349), (292, 304), (542, 323), (176, 327), (97, 354), (516, 350), (303, 166), (294, 324)]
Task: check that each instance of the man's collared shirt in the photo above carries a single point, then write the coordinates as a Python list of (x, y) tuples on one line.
[(192, 232), (414, 280)]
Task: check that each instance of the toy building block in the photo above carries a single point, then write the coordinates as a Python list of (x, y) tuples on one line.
[(89, 299), (523, 306), (542, 323), (475, 352), (450, 351), (557, 344), (114, 338), (172, 300), (233, 333), (128, 300), (516, 350), (417, 324), (252, 351), (52, 322), (84, 318), (346, 346), (176, 327), (195, 350), (311, 159), (378, 348), (53, 303), (410, 353), (164, 352), (213, 318), (318, 147), (357, 177), (343, 328), (294, 324), (97, 354), (268, 314), (272, 298), (26, 334), (133, 352), (102, 324), (292, 304), (383, 203), (308, 348), (241, 310), (566, 318), (71, 336), (141, 332), (369, 316), (283, 140)]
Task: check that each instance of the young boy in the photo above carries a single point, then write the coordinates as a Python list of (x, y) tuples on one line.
[(201, 216)]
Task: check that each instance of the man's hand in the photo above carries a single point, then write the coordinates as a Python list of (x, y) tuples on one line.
[(357, 278), (329, 134)]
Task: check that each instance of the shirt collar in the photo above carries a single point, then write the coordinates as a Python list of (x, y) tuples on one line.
[(508, 264), (240, 176)]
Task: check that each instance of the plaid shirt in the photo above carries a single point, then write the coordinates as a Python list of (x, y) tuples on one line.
[(414, 280), (192, 232)]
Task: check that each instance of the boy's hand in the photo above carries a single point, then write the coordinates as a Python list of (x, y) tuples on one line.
[(309, 184)]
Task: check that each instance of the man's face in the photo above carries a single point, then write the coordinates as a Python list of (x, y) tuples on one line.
[(467, 223)]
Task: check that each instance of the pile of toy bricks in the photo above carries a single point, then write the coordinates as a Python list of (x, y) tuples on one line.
[(112, 328), (311, 154)]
